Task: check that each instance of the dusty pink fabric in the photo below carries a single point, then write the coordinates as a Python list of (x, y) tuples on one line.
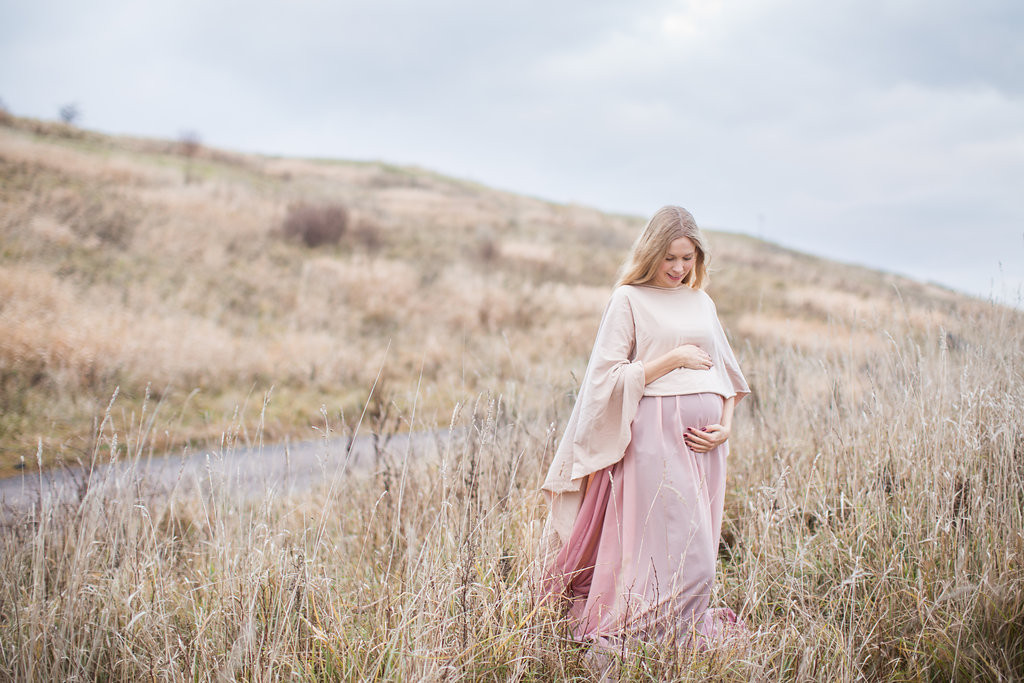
[(640, 560), (640, 324)]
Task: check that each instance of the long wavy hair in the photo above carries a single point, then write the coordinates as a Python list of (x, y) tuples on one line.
[(667, 225)]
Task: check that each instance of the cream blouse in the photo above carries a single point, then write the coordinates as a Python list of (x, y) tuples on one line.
[(640, 324)]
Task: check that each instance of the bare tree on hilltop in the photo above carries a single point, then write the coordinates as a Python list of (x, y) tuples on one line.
[(70, 113), (189, 144)]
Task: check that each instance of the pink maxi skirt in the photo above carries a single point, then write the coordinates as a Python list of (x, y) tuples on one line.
[(640, 561)]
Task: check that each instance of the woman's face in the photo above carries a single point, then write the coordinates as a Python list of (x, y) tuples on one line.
[(678, 261)]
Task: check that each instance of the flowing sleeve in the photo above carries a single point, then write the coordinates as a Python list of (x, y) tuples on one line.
[(599, 428), (725, 364)]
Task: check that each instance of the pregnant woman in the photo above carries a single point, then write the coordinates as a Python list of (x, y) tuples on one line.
[(637, 484)]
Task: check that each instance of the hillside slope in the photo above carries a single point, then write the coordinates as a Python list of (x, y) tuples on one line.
[(140, 265), (874, 514)]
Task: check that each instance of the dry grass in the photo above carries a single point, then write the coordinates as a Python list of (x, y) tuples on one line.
[(115, 272), (874, 519), (878, 537)]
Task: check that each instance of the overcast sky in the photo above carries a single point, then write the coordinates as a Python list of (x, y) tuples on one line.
[(888, 133)]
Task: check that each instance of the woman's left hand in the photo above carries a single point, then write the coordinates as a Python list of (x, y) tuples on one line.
[(709, 438)]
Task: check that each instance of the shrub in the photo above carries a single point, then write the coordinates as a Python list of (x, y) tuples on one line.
[(316, 225), (70, 113), (369, 235), (488, 248), (189, 145)]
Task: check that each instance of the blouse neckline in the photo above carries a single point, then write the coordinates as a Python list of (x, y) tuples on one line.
[(666, 289)]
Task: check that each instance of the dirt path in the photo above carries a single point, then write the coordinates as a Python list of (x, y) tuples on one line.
[(273, 468)]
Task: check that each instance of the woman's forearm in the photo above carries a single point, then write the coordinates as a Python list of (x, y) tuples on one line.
[(661, 366), (685, 356), (727, 409)]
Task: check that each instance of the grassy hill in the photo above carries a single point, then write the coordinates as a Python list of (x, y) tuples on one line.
[(157, 268), (874, 517)]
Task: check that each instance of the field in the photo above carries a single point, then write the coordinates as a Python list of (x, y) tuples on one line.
[(874, 515)]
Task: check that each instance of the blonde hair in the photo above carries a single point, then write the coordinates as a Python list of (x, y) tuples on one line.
[(667, 225)]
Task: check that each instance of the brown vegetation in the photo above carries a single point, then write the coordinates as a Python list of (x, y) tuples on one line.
[(873, 535), (875, 514), (315, 225), (117, 273)]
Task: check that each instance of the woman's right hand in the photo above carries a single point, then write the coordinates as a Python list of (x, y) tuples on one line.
[(693, 357)]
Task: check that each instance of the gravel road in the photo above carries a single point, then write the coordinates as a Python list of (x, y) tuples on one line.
[(278, 468)]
